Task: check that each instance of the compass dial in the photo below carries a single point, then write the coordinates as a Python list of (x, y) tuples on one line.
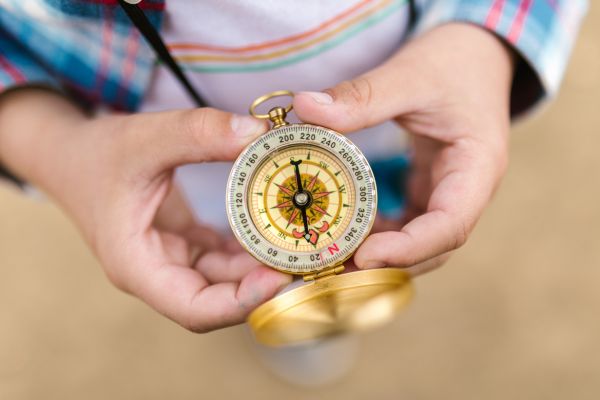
[(301, 198)]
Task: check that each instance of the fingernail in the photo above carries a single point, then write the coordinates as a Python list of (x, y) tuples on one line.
[(246, 126), (319, 97)]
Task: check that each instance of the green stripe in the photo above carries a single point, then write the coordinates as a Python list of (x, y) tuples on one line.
[(372, 20)]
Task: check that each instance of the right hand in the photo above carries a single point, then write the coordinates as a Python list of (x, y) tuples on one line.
[(114, 176)]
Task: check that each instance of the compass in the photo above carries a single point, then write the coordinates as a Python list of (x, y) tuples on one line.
[(301, 199)]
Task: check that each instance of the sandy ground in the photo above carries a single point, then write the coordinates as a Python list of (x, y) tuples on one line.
[(514, 315)]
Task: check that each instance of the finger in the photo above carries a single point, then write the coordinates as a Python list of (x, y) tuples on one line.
[(169, 139), (362, 102), (419, 185), (428, 265), (222, 266), (383, 224), (184, 295), (455, 205), (414, 270), (423, 157), (175, 216), (232, 245), (203, 237)]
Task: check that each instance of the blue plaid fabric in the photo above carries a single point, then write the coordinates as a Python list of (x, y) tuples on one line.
[(86, 48), (542, 32), (90, 49)]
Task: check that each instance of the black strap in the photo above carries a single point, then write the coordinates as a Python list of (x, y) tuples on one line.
[(139, 19), (412, 14)]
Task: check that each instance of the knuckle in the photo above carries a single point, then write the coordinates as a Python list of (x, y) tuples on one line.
[(192, 123), (460, 235), (356, 96), (409, 258), (408, 261), (359, 91), (201, 324), (196, 328), (115, 266), (501, 159), (117, 279)]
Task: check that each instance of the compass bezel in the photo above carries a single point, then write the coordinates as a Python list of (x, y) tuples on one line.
[(239, 213)]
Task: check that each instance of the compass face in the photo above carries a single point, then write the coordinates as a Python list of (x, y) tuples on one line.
[(301, 198)]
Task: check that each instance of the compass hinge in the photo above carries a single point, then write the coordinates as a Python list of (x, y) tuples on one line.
[(277, 116), (326, 272)]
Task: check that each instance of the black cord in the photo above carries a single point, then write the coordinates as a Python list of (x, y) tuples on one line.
[(412, 14), (139, 19)]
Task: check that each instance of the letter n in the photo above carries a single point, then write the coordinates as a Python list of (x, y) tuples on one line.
[(333, 249)]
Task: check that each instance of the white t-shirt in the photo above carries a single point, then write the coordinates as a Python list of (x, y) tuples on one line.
[(234, 51)]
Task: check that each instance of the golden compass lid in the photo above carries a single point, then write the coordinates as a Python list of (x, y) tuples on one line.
[(301, 199), (332, 305)]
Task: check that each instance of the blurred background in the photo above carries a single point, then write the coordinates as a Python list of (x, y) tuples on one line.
[(515, 313)]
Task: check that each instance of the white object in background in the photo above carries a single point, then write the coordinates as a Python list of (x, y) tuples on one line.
[(311, 364)]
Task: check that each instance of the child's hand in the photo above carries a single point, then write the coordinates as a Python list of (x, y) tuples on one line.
[(113, 176), (450, 88)]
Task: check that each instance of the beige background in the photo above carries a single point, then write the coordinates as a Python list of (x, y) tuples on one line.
[(515, 314)]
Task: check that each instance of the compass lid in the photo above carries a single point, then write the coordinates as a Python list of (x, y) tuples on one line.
[(332, 305)]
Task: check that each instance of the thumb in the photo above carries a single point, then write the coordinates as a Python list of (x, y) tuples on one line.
[(368, 100), (173, 138)]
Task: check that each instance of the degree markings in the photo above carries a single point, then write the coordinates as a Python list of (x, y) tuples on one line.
[(311, 167), (239, 215)]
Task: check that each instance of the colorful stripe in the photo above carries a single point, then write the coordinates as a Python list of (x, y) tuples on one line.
[(495, 13), (11, 70), (517, 26), (129, 65), (59, 43), (312, 47), (106, 48), (272, 43)]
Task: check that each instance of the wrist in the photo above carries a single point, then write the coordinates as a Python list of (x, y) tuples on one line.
[(33, 124), (470, 68), (472, 48)]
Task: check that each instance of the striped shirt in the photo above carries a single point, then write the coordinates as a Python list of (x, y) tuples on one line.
[(90, 49), (242, 49)]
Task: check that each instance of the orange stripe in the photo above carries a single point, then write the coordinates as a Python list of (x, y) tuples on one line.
[(287, 50), (273, 43)]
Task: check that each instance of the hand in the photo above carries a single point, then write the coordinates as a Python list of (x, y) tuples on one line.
[(450, 88), (114, 176)]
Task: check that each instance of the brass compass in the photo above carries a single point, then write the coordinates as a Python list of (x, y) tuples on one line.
[(301, 199)]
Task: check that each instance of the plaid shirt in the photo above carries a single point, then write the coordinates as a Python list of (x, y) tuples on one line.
[(90, 49)]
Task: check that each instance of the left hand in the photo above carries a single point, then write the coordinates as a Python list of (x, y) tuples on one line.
[(450, 88), (114, 176)]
